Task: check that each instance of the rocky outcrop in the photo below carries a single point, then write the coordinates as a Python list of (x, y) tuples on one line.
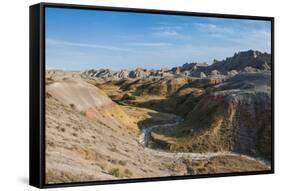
[(139, 73), (122, 74), (247, 61), (194, 66), (198, 74), (241, 60), (101, 73)]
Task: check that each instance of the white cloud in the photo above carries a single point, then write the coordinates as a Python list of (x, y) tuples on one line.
[(167, 27), (147, 44), (173, 34), (212, 28), (208, 27), (60, 43), (170, 31)]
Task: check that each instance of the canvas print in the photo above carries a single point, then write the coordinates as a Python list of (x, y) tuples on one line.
[(140, 95)]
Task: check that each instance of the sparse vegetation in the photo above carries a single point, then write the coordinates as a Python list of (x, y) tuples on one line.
[(115, 172), (128, 97), (72, 105), (122, 162), (128, 173), (83, 113)]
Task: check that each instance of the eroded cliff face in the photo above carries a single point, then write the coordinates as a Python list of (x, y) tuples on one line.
[(234, 115), (251, 104), (239, 121), (252, 125)]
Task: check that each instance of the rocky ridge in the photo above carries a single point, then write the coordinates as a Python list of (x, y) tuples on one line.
[(249, 61)]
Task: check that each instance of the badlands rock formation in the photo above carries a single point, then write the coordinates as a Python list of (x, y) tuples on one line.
[(197, 119), (238, 62)]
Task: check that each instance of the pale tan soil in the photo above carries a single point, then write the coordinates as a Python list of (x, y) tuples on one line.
[(89, 137), (82, 149)]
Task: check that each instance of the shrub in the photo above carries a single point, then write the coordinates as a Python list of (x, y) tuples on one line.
[(74, 134), (123, 163), (115, 172), (128, 173), (72, 106), (128, 97), (83, 113)]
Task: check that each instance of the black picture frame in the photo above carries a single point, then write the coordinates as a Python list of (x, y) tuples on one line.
[(37, 94)]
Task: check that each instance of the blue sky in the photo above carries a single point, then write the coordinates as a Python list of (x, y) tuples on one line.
[(85, 39)]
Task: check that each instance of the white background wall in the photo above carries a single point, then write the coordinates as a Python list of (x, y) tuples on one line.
[(14, 54)]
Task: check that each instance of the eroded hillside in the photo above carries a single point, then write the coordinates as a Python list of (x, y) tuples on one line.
[(100, 127)]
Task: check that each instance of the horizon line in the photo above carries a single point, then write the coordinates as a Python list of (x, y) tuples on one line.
[(78, 70)]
